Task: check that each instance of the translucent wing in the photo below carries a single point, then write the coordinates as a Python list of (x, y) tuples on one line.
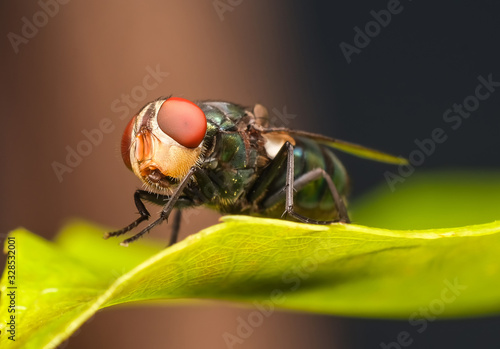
[(344, 146)]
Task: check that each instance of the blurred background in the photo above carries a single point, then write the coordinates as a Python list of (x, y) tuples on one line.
[(82, 65)]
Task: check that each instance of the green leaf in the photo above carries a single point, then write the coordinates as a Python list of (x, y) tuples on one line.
[(340, 269), (451, 198)]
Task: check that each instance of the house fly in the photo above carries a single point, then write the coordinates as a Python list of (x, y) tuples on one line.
[(226, 157)]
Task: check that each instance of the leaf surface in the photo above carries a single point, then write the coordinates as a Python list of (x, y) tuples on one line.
[(341, 269)]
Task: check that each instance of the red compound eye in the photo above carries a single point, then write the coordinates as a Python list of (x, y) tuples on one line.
[(126, 141), (183, 120)]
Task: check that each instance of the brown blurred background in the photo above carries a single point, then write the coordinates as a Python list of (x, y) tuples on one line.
[(73, 72)]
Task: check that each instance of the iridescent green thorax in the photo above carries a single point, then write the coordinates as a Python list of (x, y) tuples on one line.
[(236, 157)]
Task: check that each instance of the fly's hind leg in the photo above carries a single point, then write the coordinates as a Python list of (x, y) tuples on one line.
[(306, 179), (296, 185)]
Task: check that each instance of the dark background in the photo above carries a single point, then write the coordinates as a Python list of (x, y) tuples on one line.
[(283, 54)]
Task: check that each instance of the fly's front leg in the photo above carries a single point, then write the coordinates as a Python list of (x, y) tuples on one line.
[(167, 209), (139, 195)]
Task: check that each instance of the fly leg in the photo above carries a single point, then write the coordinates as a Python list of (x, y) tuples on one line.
[(266, 178), (196, 195), (302, 181), (175, 227), (167, 209), (306, 179), (292, 185), (139, 195)]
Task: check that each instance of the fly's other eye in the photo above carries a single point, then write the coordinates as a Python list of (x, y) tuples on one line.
[(126, 141), (183, 120)]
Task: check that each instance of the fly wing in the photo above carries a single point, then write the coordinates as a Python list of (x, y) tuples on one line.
[(344, 146)]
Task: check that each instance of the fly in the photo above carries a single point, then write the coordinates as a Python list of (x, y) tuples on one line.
[(227, 157)]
